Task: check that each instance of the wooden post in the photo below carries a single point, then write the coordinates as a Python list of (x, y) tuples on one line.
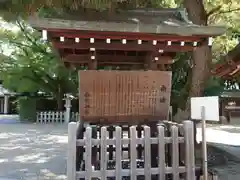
[(103, 164), (118, 153), (147, 152), (204, 144), (88, 152), (161, 153), (189, 149), (175, 152), (133, 155), (71, 152)]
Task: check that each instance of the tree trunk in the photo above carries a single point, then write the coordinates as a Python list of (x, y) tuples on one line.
[(201, 56), (201, 60), (59, 98)]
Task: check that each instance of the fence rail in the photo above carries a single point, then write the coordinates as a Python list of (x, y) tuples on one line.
[(135, 167), (55, 117)]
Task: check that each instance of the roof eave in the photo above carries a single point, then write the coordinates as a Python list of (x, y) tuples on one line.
[(190, 30)]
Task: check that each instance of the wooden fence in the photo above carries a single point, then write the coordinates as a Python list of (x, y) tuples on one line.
[(135, 168), (55, 117)]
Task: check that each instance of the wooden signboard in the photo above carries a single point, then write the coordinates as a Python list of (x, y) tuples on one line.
[(124, 96)]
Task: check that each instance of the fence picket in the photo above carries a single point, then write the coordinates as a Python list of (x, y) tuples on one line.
[(189, 149), (147, 153), (175, 152), (103, 157), (54, 117), (132, 166), (161, 153), (71, 156), (44, 117), (88, 151), (133, 154), (118, 153)]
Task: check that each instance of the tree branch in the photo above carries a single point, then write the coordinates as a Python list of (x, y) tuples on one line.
[(229, 11), (218, 11), (214, 10), (33, 41)]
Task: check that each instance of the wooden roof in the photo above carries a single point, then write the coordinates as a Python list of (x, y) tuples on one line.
[(125, 38), (230, 68), (157, 21)]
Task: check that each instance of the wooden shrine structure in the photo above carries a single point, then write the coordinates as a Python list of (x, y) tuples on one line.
[(140, 39), (229, 70), (230, 67), (138, 46)]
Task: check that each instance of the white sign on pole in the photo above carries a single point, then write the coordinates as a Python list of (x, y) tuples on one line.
[(210, 104)]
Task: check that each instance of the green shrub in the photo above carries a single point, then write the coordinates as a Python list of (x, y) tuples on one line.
[(27, 109)]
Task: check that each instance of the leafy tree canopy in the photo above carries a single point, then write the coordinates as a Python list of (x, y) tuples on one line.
[(28, 64), (216, 12)]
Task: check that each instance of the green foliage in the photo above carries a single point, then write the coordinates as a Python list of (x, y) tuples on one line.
[(226, 13), (214, 87), (27, 109), (181, 79), (43, 62), (27, 64)]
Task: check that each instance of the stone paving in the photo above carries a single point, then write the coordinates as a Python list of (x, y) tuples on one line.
[(224, 151), (33, 151), (38, 152)]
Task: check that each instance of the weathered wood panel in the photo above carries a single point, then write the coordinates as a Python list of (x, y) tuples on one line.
[(124, 96), (133, 167)]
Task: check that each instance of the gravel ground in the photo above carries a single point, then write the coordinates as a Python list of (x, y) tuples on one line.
[(226, 164), (33, 151), (224, 150), (38, 152)]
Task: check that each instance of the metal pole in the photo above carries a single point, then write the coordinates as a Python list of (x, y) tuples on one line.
[(204, 144)]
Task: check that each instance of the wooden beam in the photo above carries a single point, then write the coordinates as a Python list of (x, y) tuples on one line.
[(114, 66), (226, 71), (121, 35), (226, 68), (126, 47), (111, 59), (232, 60)]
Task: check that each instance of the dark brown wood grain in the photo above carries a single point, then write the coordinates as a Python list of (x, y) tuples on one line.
[(124, 96)]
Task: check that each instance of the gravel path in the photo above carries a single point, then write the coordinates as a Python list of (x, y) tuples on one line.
[(38, 152), (224, 150), (225, 163), (33, 151)]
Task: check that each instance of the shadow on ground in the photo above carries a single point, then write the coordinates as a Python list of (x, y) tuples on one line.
[(33, 151)]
